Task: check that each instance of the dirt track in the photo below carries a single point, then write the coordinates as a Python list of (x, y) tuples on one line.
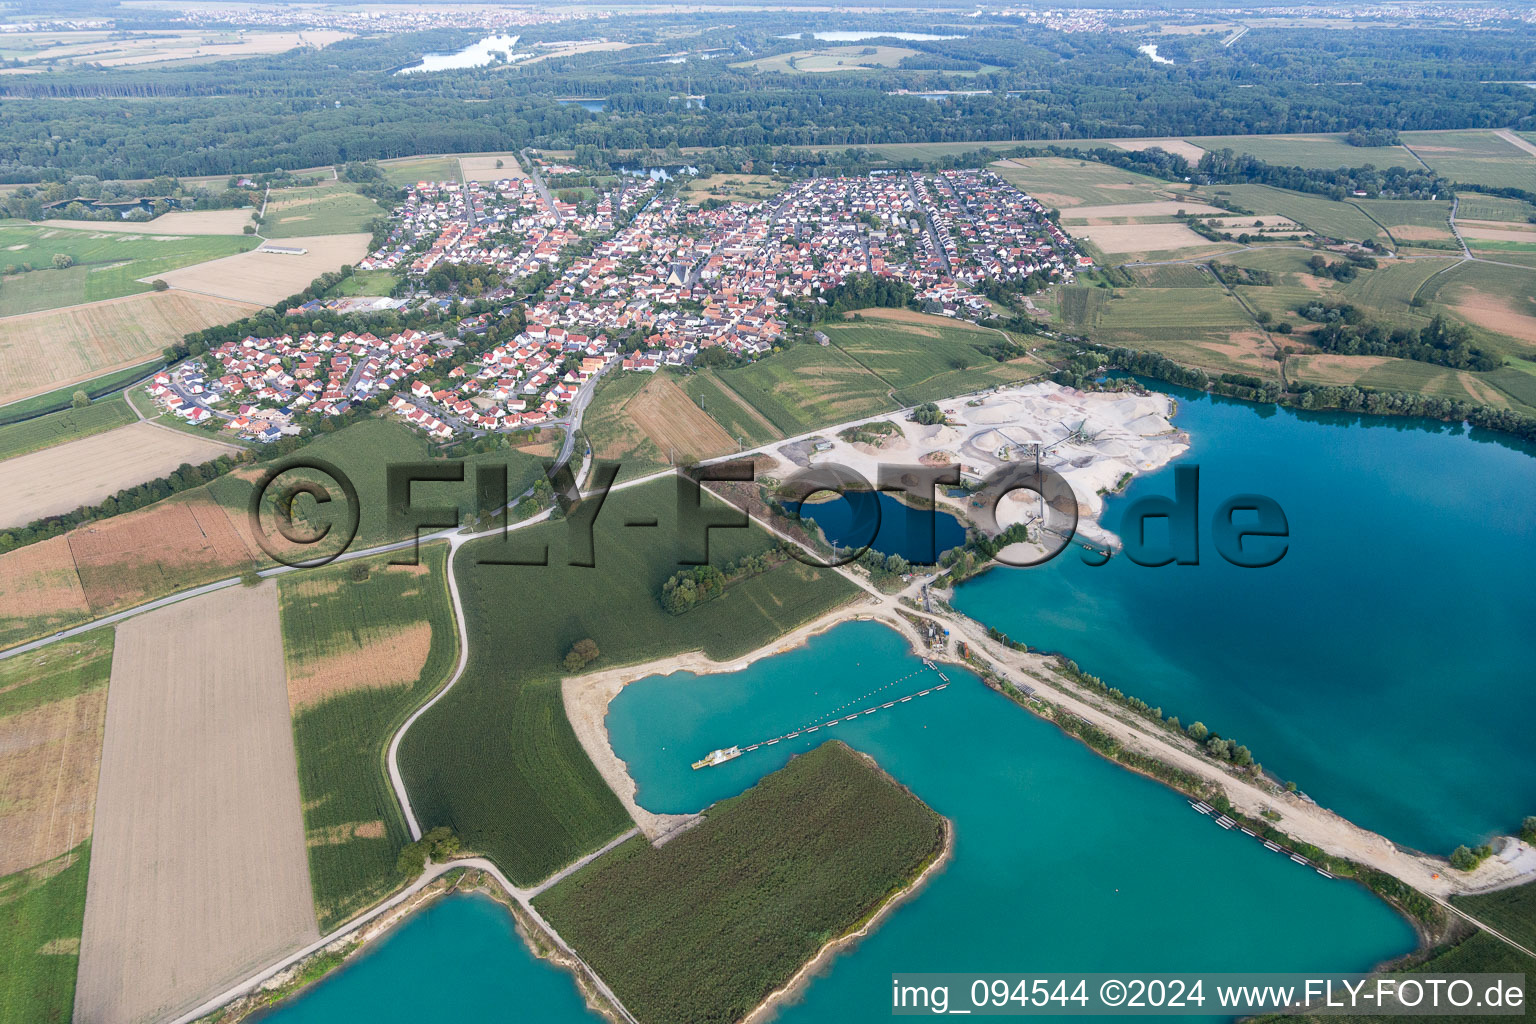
[(66, 476), (198, 867)]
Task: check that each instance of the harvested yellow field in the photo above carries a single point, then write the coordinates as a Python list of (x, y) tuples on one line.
[(1139, 238), (40, 591), (177, 222), (571, 49), (265, 277), (199, 872), (97, 337), (380, 658), (1157, 208), (483, 168), (671, 419), (67, 476)]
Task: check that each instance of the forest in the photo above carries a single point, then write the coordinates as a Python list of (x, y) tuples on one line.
[(307, 108)]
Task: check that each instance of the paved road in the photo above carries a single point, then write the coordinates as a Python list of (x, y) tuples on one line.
[(543, 189)]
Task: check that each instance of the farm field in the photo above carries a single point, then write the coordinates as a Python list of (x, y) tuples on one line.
[(365, 282), (1179, 147), (1388, 374), (1063, 182), (331, 209), (1198, 327), (409, 170), (1321, 151), (53, 703), (732, 188), (66, 425), (832, 58), (59, 401), (40, 916), (483, 167), (808, 387), (40, 591), (1475, 158), (107, 263), (1496, 300), (365, 643), (262, 277), (177, 222), (198, 873), (678, 428), (926, 357), (1327, 217), (1144, 241), (86, 341), (1511, 911), (535, 803), (83, 472), (613, 435), (1420, 222), (730, 910), (734, 413), (1477, 206)]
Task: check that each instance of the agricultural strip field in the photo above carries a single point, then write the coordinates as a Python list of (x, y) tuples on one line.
[(1325, 216), (730, 410), (53, 703), (675, 424), (60, 427), (496, 759), (53, 706), (40, 915), (1320, 151), (1476, 206), (40, 591), (107, 263), (808, 387), (1420, 222), (706, 927), (198, 872), (613, 435), (262, 277), (929, 357), (43, 50), (1202, 327), (60, 400), (1475, 158), (1496, 300), (85, 341), (1063, 182), (333, 209), (67, 476), (177, 222), (365, 644), (1145, 241)]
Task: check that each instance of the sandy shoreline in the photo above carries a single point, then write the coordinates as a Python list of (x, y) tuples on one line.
[(586, 699)]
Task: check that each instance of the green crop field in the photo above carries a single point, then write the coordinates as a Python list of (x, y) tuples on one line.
[(1518, 381), (809, 386), (1204, 327), (1082, 305), (1325, 216), (1511, 911), (107, 263), (703, 929), (832, 58), (410, 170), (1475, 157), (496, 758), (1413, 222), (370, 616), (1173, 275), (1321, 151), (318, 210), (725, 408), (364, 451), (58, 427), (925, 361), (41, 913), (1063, 182), (1476, 206)]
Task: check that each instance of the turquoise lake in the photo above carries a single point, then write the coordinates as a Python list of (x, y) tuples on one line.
[(1384, 664), (1063, 861)]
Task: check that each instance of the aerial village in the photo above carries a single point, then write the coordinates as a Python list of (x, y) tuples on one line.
[(636, 278)]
